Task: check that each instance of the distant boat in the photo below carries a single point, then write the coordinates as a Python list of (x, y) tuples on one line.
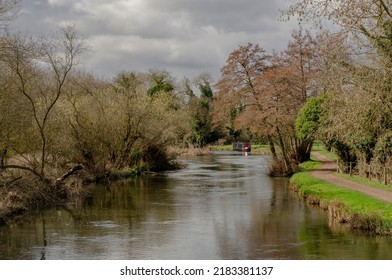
[(242, 147)]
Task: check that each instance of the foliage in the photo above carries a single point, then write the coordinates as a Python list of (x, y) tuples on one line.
[(309, 118), (162, 82), (357, 74), (112, 129), (356, 115), (38, 72), (383, 148), (205, 90), (263, 93), (202, 132), (309, 165), (60, 128)]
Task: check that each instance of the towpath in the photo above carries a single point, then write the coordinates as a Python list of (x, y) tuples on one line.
[(326, 173)]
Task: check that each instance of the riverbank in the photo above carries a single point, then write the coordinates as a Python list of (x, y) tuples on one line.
[(361, 209), (256, 149), (27, 193)]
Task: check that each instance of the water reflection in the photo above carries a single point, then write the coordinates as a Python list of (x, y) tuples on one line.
[(219, 207)]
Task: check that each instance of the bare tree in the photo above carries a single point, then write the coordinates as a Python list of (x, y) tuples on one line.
[(41, 70), (7, 11), (362, 19), (350, 14)]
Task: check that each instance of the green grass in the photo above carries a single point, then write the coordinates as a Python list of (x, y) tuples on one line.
[(328, 154), (221, 148), (359, 210), (365, 181), (256, 149), (310, 165), (261, 149), (320, 148)]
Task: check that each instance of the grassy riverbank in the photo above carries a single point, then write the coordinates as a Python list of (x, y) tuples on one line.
[(357, 210), (256, 149)]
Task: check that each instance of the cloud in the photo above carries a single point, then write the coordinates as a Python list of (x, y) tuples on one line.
[(185, 37), (56, 2)]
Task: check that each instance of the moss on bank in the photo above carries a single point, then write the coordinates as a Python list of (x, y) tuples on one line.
[(345, 206)]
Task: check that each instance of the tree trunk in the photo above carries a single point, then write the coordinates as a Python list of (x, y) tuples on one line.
[(282, 145), (272, 148)]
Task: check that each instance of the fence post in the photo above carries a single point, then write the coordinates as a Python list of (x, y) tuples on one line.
[(370, 175), (351, 168)]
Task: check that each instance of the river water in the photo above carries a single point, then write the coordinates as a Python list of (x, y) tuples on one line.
[(219, 207)]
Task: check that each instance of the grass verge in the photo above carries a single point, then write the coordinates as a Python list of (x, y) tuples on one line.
[(346, 206), (256, 149), (365, 181), (310, 165)]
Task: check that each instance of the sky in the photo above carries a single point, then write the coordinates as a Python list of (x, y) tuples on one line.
[(184, 37)]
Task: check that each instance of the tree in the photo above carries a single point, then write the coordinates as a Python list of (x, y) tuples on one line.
[(275, 115), (238, 81), (309, 118), (264, 94), (201, 107), (358, 112), (117, 126), (350, 14), (162, 82), (128, 82), (40, 70), (6, 11), (369, 18), (242, 68), (302, 55), (186, 90), (204, 84)]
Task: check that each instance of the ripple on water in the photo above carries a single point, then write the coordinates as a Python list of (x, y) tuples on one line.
[(104, 224)]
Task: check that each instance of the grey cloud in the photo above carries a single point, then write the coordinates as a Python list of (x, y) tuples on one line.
[(228, 16), (186, 37)]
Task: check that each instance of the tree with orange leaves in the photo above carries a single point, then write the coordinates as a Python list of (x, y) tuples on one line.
[(265, 93), (237, 84)]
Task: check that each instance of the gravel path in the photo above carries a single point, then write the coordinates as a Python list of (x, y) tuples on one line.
[(326, 173)]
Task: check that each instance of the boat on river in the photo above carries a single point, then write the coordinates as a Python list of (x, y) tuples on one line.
[(242, 147)]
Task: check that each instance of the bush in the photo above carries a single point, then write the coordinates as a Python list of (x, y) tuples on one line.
[(383, 148)]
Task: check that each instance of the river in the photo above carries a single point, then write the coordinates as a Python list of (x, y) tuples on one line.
[(222, 206)]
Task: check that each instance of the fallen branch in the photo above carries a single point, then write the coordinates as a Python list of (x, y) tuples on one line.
[(70, 172)]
